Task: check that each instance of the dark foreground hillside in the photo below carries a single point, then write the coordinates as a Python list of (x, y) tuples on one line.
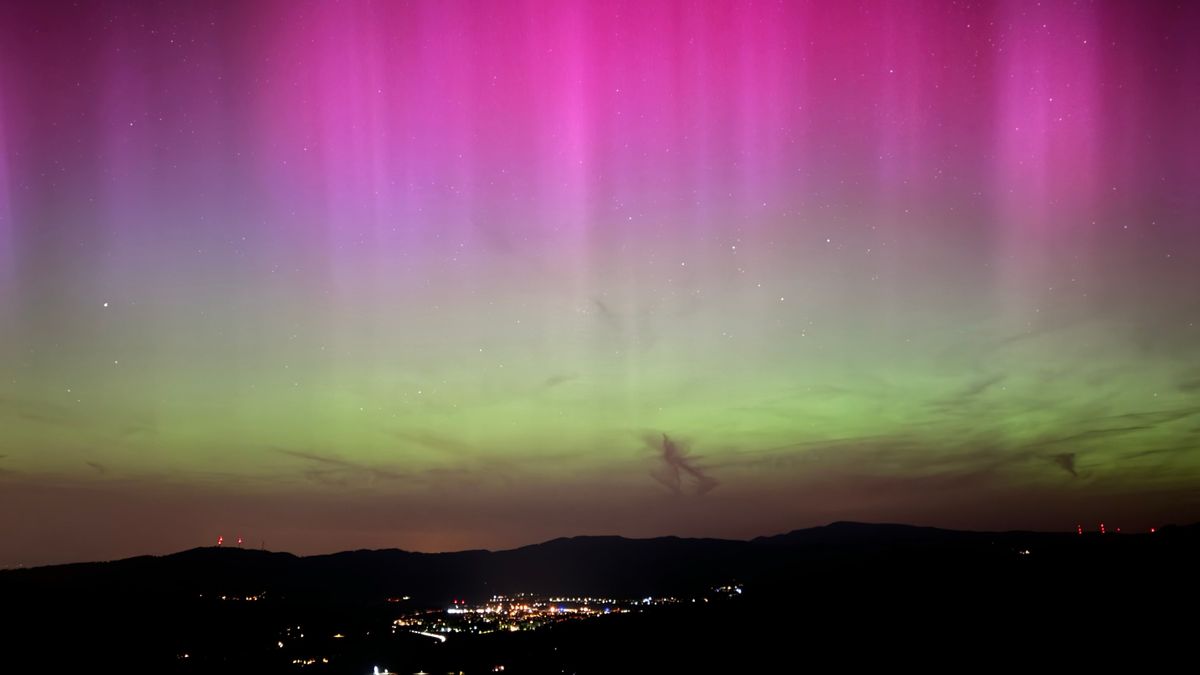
[(846, 594)]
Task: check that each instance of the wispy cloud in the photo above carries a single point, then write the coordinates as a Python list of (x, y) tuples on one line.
[(558, 379), (679, 470), (437, 442), (333, 470), (1066, 460)]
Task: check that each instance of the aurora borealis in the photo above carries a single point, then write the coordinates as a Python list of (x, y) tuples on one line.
[(441, 275)]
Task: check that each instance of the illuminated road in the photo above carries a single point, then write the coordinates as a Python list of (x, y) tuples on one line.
[(435, 636)]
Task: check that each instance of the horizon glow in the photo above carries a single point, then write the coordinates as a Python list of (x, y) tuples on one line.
[(441, 275)]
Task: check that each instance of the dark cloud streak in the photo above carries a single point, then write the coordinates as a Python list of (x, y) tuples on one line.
[(678, 467), (338, 471), (1066, 460)]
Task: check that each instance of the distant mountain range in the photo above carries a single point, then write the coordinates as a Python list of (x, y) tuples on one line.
[(844, 594), (608, 565)]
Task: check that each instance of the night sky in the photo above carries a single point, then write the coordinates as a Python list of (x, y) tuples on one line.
[(443, 275)]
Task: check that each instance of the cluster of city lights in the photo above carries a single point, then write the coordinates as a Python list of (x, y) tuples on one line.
[(529, 612)]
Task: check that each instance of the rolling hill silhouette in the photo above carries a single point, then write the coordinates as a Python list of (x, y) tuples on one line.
[(839, 585)]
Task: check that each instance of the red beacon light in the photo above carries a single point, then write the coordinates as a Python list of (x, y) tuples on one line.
[(239, 541), (220, 540), (1078, 529)]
